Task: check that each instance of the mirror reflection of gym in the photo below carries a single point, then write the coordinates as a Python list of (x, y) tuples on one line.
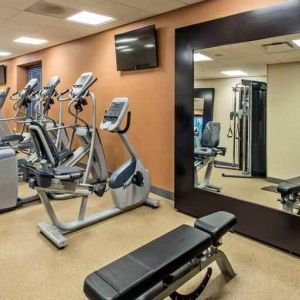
[(246, 106)]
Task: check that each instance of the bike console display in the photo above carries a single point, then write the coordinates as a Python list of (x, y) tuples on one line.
[(114, 115)]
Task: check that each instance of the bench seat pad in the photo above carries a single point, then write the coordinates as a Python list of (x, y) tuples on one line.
[(287, 188), (133, 274), (216, 224)]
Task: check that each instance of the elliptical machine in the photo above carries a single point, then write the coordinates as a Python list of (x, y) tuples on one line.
[(129, 184), (8, 157), (4, 129), (23, 99)]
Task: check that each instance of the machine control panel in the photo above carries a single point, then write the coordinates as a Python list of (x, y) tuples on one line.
[(27, 91), (50, 87), (81, 83), (49, 92), (114, 115), (29, 87)]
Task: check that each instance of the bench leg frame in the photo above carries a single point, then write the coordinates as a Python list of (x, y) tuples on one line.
[(164, 289)]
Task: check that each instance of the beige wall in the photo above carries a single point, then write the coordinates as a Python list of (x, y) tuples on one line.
[(283, 120), (151, 92), (223, 106)]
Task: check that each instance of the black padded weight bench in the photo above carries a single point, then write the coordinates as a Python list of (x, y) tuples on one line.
[(290, 192), (159, 268)]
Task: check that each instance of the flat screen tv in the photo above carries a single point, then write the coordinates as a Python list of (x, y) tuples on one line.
[(137, 49), (2, 74)]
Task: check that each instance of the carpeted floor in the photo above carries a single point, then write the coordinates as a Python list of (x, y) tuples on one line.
[(32, 268)]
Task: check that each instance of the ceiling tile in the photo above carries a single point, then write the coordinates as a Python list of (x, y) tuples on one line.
[(31, 18), (191, 1), (287, 56), (108, 8), (117, 10), (7, 13), (17, 4), (78, 4), (155, 6)]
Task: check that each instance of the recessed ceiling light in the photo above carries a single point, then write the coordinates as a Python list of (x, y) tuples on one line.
[(31, 41), (89, 18), (126, 40), (234, 73), (5, 53), (296, 42), (201, 57)]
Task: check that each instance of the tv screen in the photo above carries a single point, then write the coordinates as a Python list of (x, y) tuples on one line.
[(2, 74), (136, 49)]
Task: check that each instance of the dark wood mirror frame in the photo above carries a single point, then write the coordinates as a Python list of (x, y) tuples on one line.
[(262, 223)]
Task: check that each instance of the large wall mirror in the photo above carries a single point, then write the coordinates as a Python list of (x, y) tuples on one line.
[(248, 145), (237, 111)]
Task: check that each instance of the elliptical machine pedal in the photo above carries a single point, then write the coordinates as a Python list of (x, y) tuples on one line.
[(100, 189)]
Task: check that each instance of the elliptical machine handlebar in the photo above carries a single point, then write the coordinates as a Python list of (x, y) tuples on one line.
[(59, 97), (12, 97), (128, 121)]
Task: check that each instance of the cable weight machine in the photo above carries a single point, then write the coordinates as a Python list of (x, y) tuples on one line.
[(248, 130)]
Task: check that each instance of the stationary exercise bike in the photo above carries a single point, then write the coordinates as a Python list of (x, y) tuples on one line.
[(129, 184)]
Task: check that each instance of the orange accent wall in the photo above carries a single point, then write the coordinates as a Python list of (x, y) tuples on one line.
[(150, 92)]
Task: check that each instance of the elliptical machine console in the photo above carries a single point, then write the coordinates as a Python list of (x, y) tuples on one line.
[(114, 115), (81, 84), (25, 93), (49, 92)]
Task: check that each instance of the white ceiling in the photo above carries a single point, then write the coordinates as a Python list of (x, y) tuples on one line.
[(16, 22), (249, 57)]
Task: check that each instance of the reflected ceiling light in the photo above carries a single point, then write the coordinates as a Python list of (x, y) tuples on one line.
[(234, 73), (201, 57), (5, 53), (149, 46), (127, 50), (30, 41), (296, 42), (89, 18), (127, 40), (122, 47)]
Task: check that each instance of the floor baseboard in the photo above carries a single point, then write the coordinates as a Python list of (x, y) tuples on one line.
[(162, 192)]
